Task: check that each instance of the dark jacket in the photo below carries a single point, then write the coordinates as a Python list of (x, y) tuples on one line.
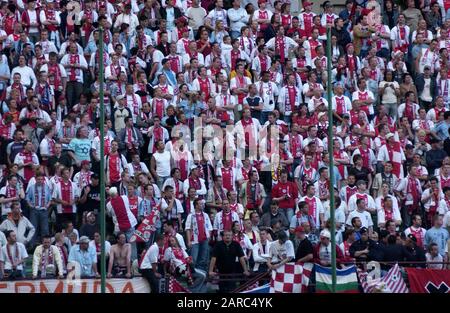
[(420, 85), (415, 254), (393, 253), (163, 13), (164, 49), (447, 146), (343, 37), (375, 250), (121, 137), (269, 33), (434, 159), (268, 218), (304, 248), (391, 22)]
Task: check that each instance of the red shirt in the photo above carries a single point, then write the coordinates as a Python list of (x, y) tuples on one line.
[(282, 189)]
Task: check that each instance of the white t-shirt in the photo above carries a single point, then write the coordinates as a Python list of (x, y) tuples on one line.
[(162, 163), (151, 256), (279, 252), (365, 217), (389, 94)]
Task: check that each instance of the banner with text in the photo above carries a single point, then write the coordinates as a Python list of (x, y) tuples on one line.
[(135, 285)]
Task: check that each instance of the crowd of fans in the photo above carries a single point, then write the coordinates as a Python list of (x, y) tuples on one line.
[(250, 198)]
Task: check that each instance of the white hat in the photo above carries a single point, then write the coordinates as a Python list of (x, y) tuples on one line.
[(49, 1), (389, 135), (325, 233), (84, 239), (321, 114), (113, 191), (194, 166), (119, 97)]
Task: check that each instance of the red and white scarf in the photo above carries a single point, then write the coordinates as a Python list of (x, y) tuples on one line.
[(66, 195), (74, 72)]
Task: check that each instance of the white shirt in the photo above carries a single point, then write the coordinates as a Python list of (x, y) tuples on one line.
[(238, 19), (365, 217), (269, 91), (191, 224), (43, 17), (370, 203), (48, 46), (289, 43), (27, 77), (150, 257), (260, 254), (278, 252), (162, 163), (130, 19), (78, 72), (57, 194), (176, 209), (12, 249)]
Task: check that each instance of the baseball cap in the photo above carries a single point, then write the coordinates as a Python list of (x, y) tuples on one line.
[(95, 176), (307, 3), (427, 67), (299, 229), (84, 239), (363, 230), (389, 135), (84, 162), (325, 233), (113, 191), (360, 182), (120, 97)]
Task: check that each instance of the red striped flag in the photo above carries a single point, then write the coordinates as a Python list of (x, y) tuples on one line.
[(392, 282)]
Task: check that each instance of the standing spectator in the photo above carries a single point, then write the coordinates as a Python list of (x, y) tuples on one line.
[(39, 199), (437, 234), (124, 221), (223, 257), (198, 232)]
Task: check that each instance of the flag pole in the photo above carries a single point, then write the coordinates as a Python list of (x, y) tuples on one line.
[(331, 165), (102, 165)]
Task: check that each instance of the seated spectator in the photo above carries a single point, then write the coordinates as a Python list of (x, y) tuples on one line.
[(13, 257), (119, 264), (84, 259), (47, 261), (21, 226)]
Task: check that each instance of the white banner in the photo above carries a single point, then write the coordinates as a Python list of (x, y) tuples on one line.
[(135, 285)]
